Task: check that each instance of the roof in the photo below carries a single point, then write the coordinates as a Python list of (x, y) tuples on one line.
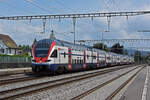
[(8, 41), (76, 46), (68, 44)]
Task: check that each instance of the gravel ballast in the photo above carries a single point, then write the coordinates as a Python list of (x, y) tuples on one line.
[(69, 91)]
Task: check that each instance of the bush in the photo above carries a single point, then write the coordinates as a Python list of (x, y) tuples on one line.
[(24, 55)]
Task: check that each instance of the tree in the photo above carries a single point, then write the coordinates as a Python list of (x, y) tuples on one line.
[(117, 48), (137, 56), (26, 49), (101, 46), (125, 52)]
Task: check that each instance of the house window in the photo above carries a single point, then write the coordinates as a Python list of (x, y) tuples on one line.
[(3, 50), (10, 51), (15, 51)]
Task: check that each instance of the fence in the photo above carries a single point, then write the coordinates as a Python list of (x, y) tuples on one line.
[(14, 59), (14, 62)]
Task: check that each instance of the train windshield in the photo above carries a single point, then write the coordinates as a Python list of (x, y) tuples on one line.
[(42, 49)]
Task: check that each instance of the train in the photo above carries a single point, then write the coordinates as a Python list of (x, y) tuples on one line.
[(58, 56)]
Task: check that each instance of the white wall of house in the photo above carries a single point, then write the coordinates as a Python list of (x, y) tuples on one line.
[(2, 48), (5, 50)]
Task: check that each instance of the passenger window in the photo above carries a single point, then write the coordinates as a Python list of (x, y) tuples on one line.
[(75, 61), (94, 57), (54, 54), (87, 56), (80, 61), (108, 58)]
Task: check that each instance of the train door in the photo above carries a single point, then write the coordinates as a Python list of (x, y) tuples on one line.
[(98, 63), (69, 59), (84, 60), (105, 60), (59, 56), (92, 57)]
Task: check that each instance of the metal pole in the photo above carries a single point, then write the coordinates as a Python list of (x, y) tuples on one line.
[(102, 42), (44, 24), (74, 26)]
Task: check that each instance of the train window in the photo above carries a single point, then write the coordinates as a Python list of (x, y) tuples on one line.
[(54, 54), (75, 61), (108, 58), (80, 61), (94, 57), (42, 49), (87, 56)]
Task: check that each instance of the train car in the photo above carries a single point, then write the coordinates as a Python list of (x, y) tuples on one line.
[(108, 59), (57, 56)]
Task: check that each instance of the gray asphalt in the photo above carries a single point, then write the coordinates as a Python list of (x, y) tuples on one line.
[(148, 91)]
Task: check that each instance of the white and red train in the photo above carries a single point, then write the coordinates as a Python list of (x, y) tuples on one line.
[(52, 55)]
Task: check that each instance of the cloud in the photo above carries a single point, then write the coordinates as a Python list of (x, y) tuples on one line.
[(120, 28), (22, 33)]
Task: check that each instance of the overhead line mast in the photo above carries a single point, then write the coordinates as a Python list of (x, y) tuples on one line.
[(114, 40), (75, 16), (86, 15)]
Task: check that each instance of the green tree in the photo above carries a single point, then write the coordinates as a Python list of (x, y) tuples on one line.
[(117, 48), (26, 49), (101, 46), (125, 52), (137, 56)]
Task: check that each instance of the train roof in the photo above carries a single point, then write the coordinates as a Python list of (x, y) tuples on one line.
[(70, 45), (76, 46)]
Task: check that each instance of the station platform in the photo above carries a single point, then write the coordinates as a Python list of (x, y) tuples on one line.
[(139, 89), (14, 71)]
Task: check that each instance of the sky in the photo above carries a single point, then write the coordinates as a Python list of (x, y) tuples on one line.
[(24, 32)]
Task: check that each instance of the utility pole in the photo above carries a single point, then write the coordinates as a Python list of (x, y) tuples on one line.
[(74, 28), (103, 38), (102, 41)]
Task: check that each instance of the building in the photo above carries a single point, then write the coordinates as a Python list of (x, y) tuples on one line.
[(8, 45), (52, 35)]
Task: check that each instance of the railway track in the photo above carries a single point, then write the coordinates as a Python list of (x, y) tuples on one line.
[(112, 95), (16, 80), (8, 75), (27, 90), (11, 72)]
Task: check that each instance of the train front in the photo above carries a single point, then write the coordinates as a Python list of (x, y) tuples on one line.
[(42, 52)]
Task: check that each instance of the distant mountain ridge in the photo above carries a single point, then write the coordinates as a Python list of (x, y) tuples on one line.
[(132, 51)]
